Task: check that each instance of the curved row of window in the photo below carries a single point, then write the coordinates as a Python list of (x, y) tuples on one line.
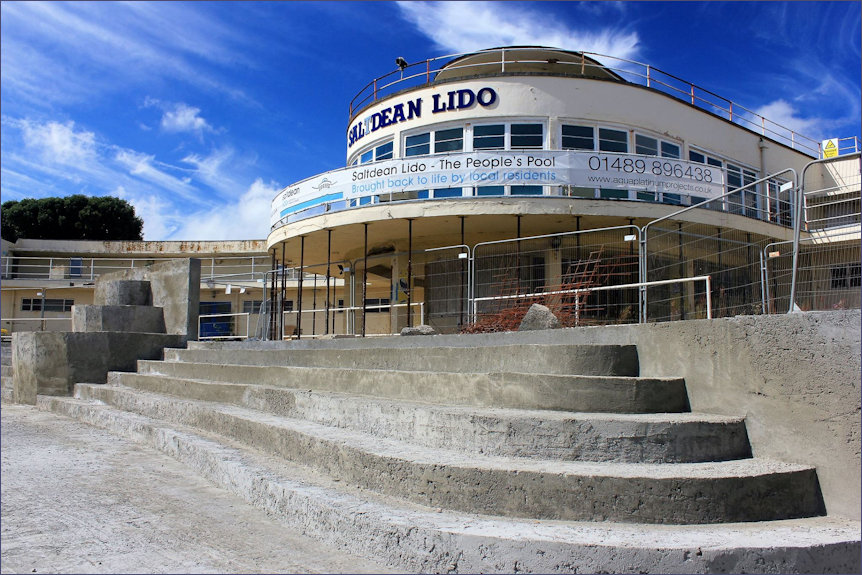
[(532, 135)]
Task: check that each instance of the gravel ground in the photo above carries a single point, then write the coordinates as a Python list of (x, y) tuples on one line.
[(76, 499)]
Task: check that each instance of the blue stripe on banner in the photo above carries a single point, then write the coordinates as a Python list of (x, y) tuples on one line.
[(309, 203)]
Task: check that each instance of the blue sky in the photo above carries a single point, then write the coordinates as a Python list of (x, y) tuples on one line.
[(198, 113)]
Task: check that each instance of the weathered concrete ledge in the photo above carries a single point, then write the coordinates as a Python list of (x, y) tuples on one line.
[(132, 318), (51, 363)]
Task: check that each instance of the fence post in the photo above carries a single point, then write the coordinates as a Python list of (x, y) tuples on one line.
[(642, 265)]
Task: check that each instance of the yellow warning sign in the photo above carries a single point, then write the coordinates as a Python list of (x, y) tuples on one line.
[(830, 148)]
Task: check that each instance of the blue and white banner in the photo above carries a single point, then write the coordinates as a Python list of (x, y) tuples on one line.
[(583, 169)]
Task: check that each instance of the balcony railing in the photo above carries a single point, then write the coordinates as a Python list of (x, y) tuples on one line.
[(424, 72)]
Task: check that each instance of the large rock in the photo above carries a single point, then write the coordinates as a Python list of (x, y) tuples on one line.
[(419, 330), (538, 317)]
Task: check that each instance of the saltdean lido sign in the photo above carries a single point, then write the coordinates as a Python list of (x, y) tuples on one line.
[(583, 169), (452, 101)]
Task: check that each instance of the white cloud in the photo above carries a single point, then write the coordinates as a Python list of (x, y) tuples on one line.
[(469, 26), (247, 218), (184, 118), (160, 217), (143, 166), (786, 115), (209, 170), (59, 143), (72, 51)]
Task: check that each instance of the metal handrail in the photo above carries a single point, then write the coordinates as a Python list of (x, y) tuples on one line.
[(89, 268), (692, 94), (390, 306)]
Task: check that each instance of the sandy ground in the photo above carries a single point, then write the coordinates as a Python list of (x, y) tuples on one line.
[(76, 499)]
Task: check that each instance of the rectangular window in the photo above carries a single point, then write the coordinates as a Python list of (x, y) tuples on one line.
[(645, 145), (252, 307), (578, 138), (490, 137), (383, 152), (367, 157), (744, 202), (56, 305), (417, 145), (451, 140), (449, 193), (527, 136), (526, 190), (372, 305), (669, 150), (491, 190), (613, 140)]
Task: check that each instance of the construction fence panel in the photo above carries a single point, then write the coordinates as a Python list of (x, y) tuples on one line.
[(557, 271), (676, 250), (829, 275), (411, 288)]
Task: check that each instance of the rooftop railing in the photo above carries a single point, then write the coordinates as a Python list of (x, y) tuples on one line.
[(424, 73)]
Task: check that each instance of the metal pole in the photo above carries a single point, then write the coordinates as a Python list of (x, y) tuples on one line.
[(283, 291), (299, 288), (314, 307), (409, 272), (681, 272), (328, 266), (518, 254), (461, 301), (272, 320), (365, 281)]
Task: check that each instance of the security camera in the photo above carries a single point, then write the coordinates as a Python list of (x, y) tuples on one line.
[(401, 62)]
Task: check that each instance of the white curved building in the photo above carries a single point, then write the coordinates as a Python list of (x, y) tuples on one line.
[(519, 142)]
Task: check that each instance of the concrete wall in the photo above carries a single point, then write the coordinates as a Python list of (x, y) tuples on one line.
[(795, 378), (175, 287)]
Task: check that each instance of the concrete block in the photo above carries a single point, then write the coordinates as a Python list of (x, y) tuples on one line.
[(51, 363), (175, 286), (129, 318), (122, 292), (539, 317)]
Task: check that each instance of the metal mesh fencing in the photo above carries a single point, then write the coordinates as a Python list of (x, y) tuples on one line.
[(675, 249), (829, 276), (432, 284), (559, 271)]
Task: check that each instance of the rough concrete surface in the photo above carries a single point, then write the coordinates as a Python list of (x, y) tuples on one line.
[(175, 286), (134, 318), (794, 377), (77, 499), (52, 362), (420, 539)]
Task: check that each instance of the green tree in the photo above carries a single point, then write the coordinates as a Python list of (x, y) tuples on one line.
[(74, 217)]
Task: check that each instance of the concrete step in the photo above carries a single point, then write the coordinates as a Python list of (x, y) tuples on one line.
[(620, 360), (684, 493), (415, 538), (593, 393), (646, 438)]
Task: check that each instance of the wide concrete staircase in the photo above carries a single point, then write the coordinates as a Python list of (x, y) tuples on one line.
[(501, 458)]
